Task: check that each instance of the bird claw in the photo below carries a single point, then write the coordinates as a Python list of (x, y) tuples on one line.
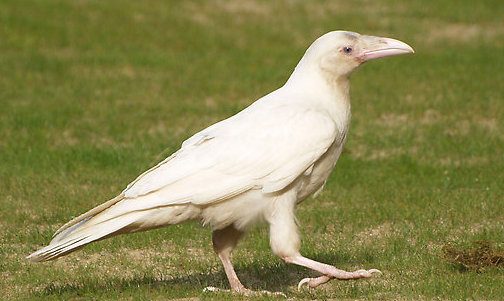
[(376, 271), (212, 289), (268, 293), (244, 292), (303, 282), (314, 282), (368, 273)]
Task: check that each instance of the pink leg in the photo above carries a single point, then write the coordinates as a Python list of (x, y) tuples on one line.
[(285, 242), (329, 272), (224, 241)]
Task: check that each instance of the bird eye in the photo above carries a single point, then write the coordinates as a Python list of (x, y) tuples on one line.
[(347, 50)]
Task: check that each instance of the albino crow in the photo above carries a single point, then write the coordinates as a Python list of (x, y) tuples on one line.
[(254, 166)]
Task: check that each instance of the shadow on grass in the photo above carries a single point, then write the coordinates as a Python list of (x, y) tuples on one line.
[(257, 276)]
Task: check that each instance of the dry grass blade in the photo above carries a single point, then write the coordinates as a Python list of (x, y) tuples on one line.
[(477, 258)]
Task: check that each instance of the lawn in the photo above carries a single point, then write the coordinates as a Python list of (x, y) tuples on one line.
[(94, 92)]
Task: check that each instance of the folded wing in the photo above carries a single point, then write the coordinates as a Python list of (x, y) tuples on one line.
[(264, 149)]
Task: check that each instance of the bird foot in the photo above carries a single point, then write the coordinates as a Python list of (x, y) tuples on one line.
[(244, 291), (314, 282), (211, 289)]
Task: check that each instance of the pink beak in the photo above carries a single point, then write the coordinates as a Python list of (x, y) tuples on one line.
[(382, 47)]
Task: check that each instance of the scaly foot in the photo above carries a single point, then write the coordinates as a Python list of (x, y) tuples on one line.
[(245, 292), (341, 275)]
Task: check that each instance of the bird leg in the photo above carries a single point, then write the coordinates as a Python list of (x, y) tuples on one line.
[(224, 241), (285, 242), (329, 272)]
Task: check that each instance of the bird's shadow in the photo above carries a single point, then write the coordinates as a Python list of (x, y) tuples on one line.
[(276, 276)]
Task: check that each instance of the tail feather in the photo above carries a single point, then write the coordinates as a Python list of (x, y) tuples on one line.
[(85, 233), (63, 234), (69, 237), (89, 214), (104, 221)]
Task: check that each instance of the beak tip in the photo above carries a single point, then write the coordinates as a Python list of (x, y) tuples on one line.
[(388, 47), (399, 45)]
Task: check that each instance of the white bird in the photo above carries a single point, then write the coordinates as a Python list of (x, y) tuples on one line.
[(254, 166)]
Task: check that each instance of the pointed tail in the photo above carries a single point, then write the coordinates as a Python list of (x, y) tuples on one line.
[(84, 233), (79, 232)]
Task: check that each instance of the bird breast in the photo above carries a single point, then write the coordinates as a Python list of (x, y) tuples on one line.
[(314, 181)]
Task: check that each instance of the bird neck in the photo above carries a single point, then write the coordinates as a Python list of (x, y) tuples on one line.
[(312, 83), (322, 92), (310, 77)]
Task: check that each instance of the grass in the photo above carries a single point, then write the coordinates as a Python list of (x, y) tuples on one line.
[(94, 92)]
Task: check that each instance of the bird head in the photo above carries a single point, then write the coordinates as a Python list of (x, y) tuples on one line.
[(339, 53)]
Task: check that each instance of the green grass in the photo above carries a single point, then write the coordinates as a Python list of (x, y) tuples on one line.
[(94, 92)]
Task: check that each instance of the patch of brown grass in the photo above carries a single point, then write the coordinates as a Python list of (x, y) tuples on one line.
[(375, 233), (482, 255), (392, 120), (437, 31), (454, 162)]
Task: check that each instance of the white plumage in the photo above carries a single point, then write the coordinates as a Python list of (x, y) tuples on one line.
[(254, 166)]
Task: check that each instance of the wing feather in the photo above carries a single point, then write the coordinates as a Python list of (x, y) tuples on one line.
[(265, 149)]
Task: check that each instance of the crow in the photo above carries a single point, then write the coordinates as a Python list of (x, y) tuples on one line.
[(253, 167)]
